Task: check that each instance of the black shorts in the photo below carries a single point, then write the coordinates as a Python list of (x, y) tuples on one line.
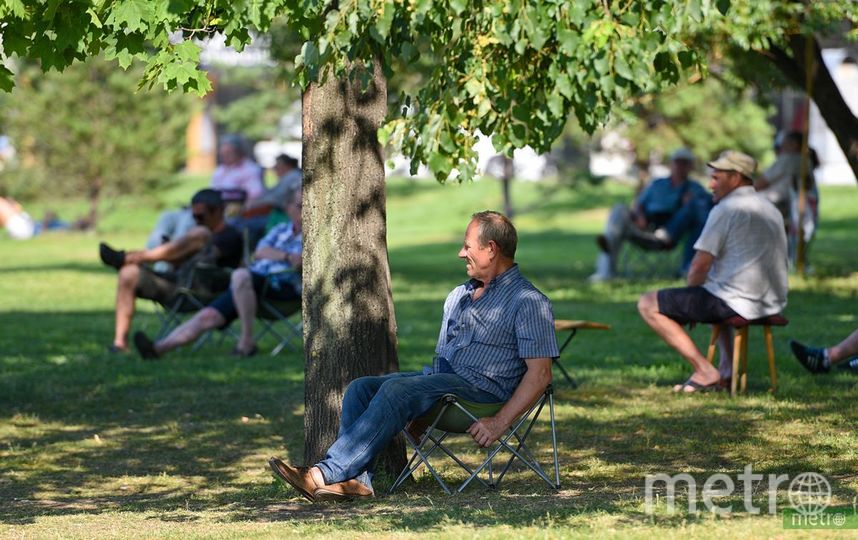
[(225, 305), (157, 286), (693, 305)]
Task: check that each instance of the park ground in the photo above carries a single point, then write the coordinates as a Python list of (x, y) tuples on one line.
[(94, 445)]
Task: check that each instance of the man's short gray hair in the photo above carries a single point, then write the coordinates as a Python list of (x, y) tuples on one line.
[(496, 227)]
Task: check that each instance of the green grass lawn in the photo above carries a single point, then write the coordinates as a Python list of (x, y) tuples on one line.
[(94, 445)]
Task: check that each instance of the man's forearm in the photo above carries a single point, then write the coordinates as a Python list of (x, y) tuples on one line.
[(696, 276), (532, 385)]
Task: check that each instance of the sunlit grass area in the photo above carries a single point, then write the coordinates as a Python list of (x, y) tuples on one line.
[(95, 445)]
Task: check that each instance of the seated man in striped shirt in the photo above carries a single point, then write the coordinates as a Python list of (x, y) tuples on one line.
[(496, 345)]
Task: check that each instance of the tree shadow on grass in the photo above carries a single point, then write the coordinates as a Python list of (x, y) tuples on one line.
[(63, 266), (172, 438), (87, 431)]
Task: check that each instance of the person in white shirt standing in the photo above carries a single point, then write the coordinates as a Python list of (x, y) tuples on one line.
[(739, 268)]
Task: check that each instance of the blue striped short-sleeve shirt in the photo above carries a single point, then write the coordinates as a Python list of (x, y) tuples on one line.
[(487, 341)]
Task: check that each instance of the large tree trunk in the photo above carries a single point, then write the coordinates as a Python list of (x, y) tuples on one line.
[(349, 324), (825, 93)]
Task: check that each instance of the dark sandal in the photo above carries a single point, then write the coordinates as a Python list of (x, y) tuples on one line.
[(697, 387)]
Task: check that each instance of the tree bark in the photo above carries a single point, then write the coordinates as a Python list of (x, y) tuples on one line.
[(349, 322), (824, 92)]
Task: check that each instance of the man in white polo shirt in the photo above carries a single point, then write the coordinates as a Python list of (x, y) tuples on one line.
[(740, 268)]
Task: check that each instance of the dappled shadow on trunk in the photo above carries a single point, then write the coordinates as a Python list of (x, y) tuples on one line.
[(349, 323)]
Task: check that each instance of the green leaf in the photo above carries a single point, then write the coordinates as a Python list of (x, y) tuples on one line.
[(622, 68), (7, 79), (187, 51), (555, 104), (723, 6), (124, 58), (16, 8), (129, 15), (459, 6), (382, 24), (564, 86)]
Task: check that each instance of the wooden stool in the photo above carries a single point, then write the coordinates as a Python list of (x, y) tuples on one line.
[(740, 348), (572, 327)]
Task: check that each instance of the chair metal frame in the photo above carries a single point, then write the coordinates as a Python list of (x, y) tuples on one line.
[(517, 448), (188, 300), (271, 312), (638, 262)]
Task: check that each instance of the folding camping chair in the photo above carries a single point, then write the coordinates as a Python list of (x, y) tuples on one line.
[(274, 317), (201, 286), (452, 414)]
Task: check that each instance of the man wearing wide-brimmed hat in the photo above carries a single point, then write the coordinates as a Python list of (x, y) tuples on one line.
[(740, 268)]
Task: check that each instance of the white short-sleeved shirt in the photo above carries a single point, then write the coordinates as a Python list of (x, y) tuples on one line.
[(745, 234)]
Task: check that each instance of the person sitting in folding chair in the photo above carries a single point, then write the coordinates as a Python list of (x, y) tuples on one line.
[(496, 344), (276, 266), (666, 211), (211, 240)]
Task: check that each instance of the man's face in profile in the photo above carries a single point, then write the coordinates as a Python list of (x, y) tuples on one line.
[(202, 215)]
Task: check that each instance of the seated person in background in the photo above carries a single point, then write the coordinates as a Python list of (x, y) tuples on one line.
[(776, 182), (236, 177), (288, 179), (496, 344), (277, 253), (820, 359), (236, 173), (740, 268), (264, 212), (210, 240), (665, 211)]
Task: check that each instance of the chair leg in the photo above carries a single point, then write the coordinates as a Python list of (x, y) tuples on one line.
[(737, 353), (554, 440), (743, 363), (716, 331), (770, 350)]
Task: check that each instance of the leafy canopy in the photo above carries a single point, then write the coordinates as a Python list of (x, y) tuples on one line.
[(512, 68)]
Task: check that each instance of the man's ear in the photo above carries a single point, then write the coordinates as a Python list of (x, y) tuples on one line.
[(492, 246)]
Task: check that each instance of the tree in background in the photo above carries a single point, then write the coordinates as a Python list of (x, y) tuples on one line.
[(89, 132), (775, 43), (707, 117)]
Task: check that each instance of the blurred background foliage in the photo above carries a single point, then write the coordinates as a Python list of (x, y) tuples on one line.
[(89, 132)]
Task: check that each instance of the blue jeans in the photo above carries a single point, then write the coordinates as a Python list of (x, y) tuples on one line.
[(375, 409), (688, 221)]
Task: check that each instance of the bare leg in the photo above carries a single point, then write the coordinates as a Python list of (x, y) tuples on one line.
[(129, 276), (205, 319), (244, 298), (673, 334), (174, 251), (845, 349), (725, 351)]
